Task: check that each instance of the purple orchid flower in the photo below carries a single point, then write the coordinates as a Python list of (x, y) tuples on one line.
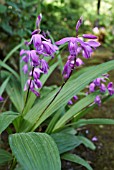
[(25, 69), (67, 69), (36, 73), (79, 62), (79, 23), (110, 88), (76, 42), (102, 88), (75, 97), (32, 85), (70, 102), (98, 100), (39, 18), (92, 87), (42, 45)]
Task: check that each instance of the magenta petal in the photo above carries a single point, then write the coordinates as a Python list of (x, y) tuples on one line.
[(89, 36), (110, 85), (103, 88), (98, 100), (80, 21), (93, 43), (70, 102), (64, 40), (92, 87), (39, 18), (79, 62)]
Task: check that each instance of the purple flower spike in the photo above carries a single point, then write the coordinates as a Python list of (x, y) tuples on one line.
[(1, 98), (103, 88), (70, 102), (39, 18), (98, 100), (92, 87), (80, 21), (89, 36)]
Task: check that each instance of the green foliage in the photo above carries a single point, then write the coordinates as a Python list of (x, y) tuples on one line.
[(35, 151), (6, 119), (76, 159), (5, 156), (65, 142)]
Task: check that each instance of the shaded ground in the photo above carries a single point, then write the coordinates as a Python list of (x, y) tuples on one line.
[(103, 157)]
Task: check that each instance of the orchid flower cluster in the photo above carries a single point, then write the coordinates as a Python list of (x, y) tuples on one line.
[(100, 83), (35, 58), (77, 45)]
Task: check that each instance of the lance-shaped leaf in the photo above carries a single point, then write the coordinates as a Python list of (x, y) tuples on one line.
[(66, 142), (5, 156), (35, 151), (3, 86), (6, 119), (95, 121), (76, 159), (2, 64), (74, 110)]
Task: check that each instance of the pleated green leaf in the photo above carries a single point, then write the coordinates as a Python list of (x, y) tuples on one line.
[(5, 156), (95, 121), (13, 51), (87, 142), (14, 91), (6, 119), (2, 64), (76, 159), (3, 86), (66, 142), (35, 151), (72, 87), (74, 110)]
